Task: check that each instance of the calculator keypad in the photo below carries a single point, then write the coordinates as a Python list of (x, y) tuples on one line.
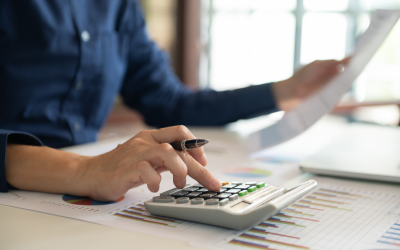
[(193, 194), (242, 186), (179, 194), (208, 195), (164, 199), (233, 191), (198, 195), (233, 197), (197, 201), (223, 196), (223, 202), (212, 202), (190, 189), (182, 200)]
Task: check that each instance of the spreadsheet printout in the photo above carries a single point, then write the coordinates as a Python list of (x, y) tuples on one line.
[(336, 215)]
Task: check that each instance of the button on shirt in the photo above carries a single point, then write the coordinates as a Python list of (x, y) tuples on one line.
[(63, 62)]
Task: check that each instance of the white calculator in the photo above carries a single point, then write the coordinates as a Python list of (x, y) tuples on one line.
[(238, 205)]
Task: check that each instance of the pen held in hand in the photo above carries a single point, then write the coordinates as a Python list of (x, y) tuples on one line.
[(188, 144)]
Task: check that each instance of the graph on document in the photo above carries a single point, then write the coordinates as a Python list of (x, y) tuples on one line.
[(387, 230), (328, 218), (137, 213), (391, 236)]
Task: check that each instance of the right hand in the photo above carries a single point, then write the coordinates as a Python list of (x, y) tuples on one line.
[(139, 161), (306, 81)]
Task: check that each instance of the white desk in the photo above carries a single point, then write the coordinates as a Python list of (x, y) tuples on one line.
[(22, 229)]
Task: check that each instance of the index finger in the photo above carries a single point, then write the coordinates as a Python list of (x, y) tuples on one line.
[(179, 133)]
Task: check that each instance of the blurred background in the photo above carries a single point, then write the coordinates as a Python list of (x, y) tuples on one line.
[(227, 44)]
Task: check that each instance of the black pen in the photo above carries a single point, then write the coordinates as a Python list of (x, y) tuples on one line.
[(188, 144)]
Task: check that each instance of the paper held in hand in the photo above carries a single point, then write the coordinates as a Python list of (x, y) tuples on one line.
[(311, 110)]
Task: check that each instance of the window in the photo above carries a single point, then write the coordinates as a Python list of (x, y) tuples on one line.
[(259, 41)]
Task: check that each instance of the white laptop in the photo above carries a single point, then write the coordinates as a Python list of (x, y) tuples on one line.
[(362, 151)]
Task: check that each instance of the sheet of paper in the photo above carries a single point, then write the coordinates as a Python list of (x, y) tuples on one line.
[(321, 103), (253, 170), (337, 215), (294, 151), (125, 213)]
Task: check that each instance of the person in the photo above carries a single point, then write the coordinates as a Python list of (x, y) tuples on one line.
[(61, 65)]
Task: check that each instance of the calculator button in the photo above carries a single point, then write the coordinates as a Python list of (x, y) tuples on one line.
[(233, 191), (229, 186), (208, 195), (179, 194), (222, 190), (190, 189), (236, 182), (242, 193), (251, 183), (223, 202), (233, 197), (212, 202), (169, 192), (197, 201), (197, 185), (252, 189), (193, 194), (224, 183), (163, 199), (243, 186), (182, 200), (223, 196), (260, 184), (203, 190)]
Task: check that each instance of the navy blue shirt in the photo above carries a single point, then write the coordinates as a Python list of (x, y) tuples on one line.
[(62, 62)]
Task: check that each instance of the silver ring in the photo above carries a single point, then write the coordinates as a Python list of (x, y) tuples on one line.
[(183, 145)]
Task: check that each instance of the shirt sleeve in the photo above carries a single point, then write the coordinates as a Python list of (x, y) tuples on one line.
[(153, 89), (7, 136)]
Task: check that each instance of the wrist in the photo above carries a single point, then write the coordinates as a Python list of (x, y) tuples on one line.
[(283, 92), (79, 183)]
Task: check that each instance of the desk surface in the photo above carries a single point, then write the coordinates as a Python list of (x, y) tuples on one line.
[(22, 229)]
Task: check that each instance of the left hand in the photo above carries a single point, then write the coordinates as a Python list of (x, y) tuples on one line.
[(289, 93)]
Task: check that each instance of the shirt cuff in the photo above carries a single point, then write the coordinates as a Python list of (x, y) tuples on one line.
[(255, 100), (7, 136)]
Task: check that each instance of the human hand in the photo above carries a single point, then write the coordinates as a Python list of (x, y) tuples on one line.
[(289, 93), (139, 161)]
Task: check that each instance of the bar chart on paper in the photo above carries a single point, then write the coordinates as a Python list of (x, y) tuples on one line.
[(391, 236), (139, 214), (331, 217), (387, 233)]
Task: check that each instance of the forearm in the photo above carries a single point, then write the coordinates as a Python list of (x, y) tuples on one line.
[(207, 107), (43, 169), (107, 177)]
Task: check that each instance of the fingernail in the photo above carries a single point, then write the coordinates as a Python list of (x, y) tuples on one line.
[(215, 183), (203, 160), (183, 183)]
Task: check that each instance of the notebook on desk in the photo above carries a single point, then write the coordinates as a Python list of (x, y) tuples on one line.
[(362, 151)]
